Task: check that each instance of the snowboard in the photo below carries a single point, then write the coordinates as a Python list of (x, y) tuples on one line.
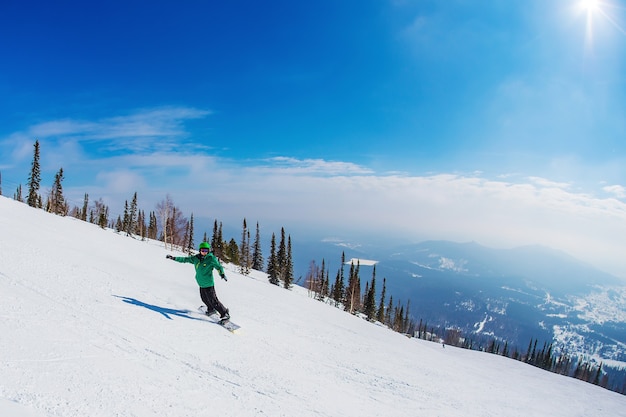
[(229, 325), (214, 318)]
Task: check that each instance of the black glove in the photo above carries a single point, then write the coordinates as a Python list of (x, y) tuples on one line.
[(223, 276), (169, 257)]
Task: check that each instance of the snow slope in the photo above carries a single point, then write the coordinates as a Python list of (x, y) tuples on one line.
[(98, 324)]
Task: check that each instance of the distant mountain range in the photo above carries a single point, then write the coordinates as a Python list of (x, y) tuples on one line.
[(516, 295)]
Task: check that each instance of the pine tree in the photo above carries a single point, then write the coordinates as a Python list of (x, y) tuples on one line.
[(322, 282), (365, 293), (132, 216), (380, 314), (244, 266), (281, 256), (125, 219), (547, 358), (338, 289), (214, 238), (57, 200), (326, 285), (257, 254), (100, 213), (190, 243), (152, 226), (18, 194), (533, 357), (141, 225), (288, 268), (529, 350), (407, 320), (34, 180), (217, 240), (370, 298), (353, 290), (119, 224), (232, 252), (83, 212), (272, 272), (505, 351), (388, 312), (343, 263), (398, 318)]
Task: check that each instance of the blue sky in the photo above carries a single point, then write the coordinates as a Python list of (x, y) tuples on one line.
[(499, 121)]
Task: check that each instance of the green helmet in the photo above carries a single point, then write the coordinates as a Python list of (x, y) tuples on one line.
[(205, 245)]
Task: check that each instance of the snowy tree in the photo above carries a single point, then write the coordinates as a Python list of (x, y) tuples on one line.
[(153, 230), (190, 243), (56, 202), (322, 282), (281, 256), (141, 229), (288, 266), (353, 290), (369, 307), (83, 212), (272, 263), (231, 254), (124, 222), (18, 194), (217, 240), (131, 226), (380, 314), (244, 249), (34, 180), (337, 292), (257, 253)]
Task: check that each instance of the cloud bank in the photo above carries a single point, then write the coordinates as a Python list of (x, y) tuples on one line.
[(113, 158)]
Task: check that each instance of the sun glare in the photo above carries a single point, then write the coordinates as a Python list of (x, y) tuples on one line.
[(590, 5), (599, 13)]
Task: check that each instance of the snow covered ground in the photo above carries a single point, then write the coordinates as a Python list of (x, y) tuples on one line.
[(98, 324)]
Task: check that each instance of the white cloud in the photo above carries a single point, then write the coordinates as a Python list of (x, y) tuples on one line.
[(336, 198), (142, 131), (343, 199), (616, 190), (315, 166), (123, 181), (333, 198), (543, 182)]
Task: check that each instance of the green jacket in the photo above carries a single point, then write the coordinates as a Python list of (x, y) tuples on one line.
[(204, 268)]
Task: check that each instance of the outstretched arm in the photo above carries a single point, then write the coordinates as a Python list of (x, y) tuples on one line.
[(182, 259)]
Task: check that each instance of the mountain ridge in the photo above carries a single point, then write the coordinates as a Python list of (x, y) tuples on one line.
[(514, 294)]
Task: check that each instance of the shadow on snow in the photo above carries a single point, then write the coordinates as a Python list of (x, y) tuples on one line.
[(167, 312)]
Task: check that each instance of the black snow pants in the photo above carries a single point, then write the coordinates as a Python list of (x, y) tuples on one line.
[(209, 297)]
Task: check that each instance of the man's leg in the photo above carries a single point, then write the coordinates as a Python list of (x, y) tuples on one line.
[(216, 304)]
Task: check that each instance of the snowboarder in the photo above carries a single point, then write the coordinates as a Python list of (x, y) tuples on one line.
[(205, 262)]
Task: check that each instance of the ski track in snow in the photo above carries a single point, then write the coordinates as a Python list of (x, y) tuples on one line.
[(98, 324)]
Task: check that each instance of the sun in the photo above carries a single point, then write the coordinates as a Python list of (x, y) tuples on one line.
[(590, 6), (601, 12)]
